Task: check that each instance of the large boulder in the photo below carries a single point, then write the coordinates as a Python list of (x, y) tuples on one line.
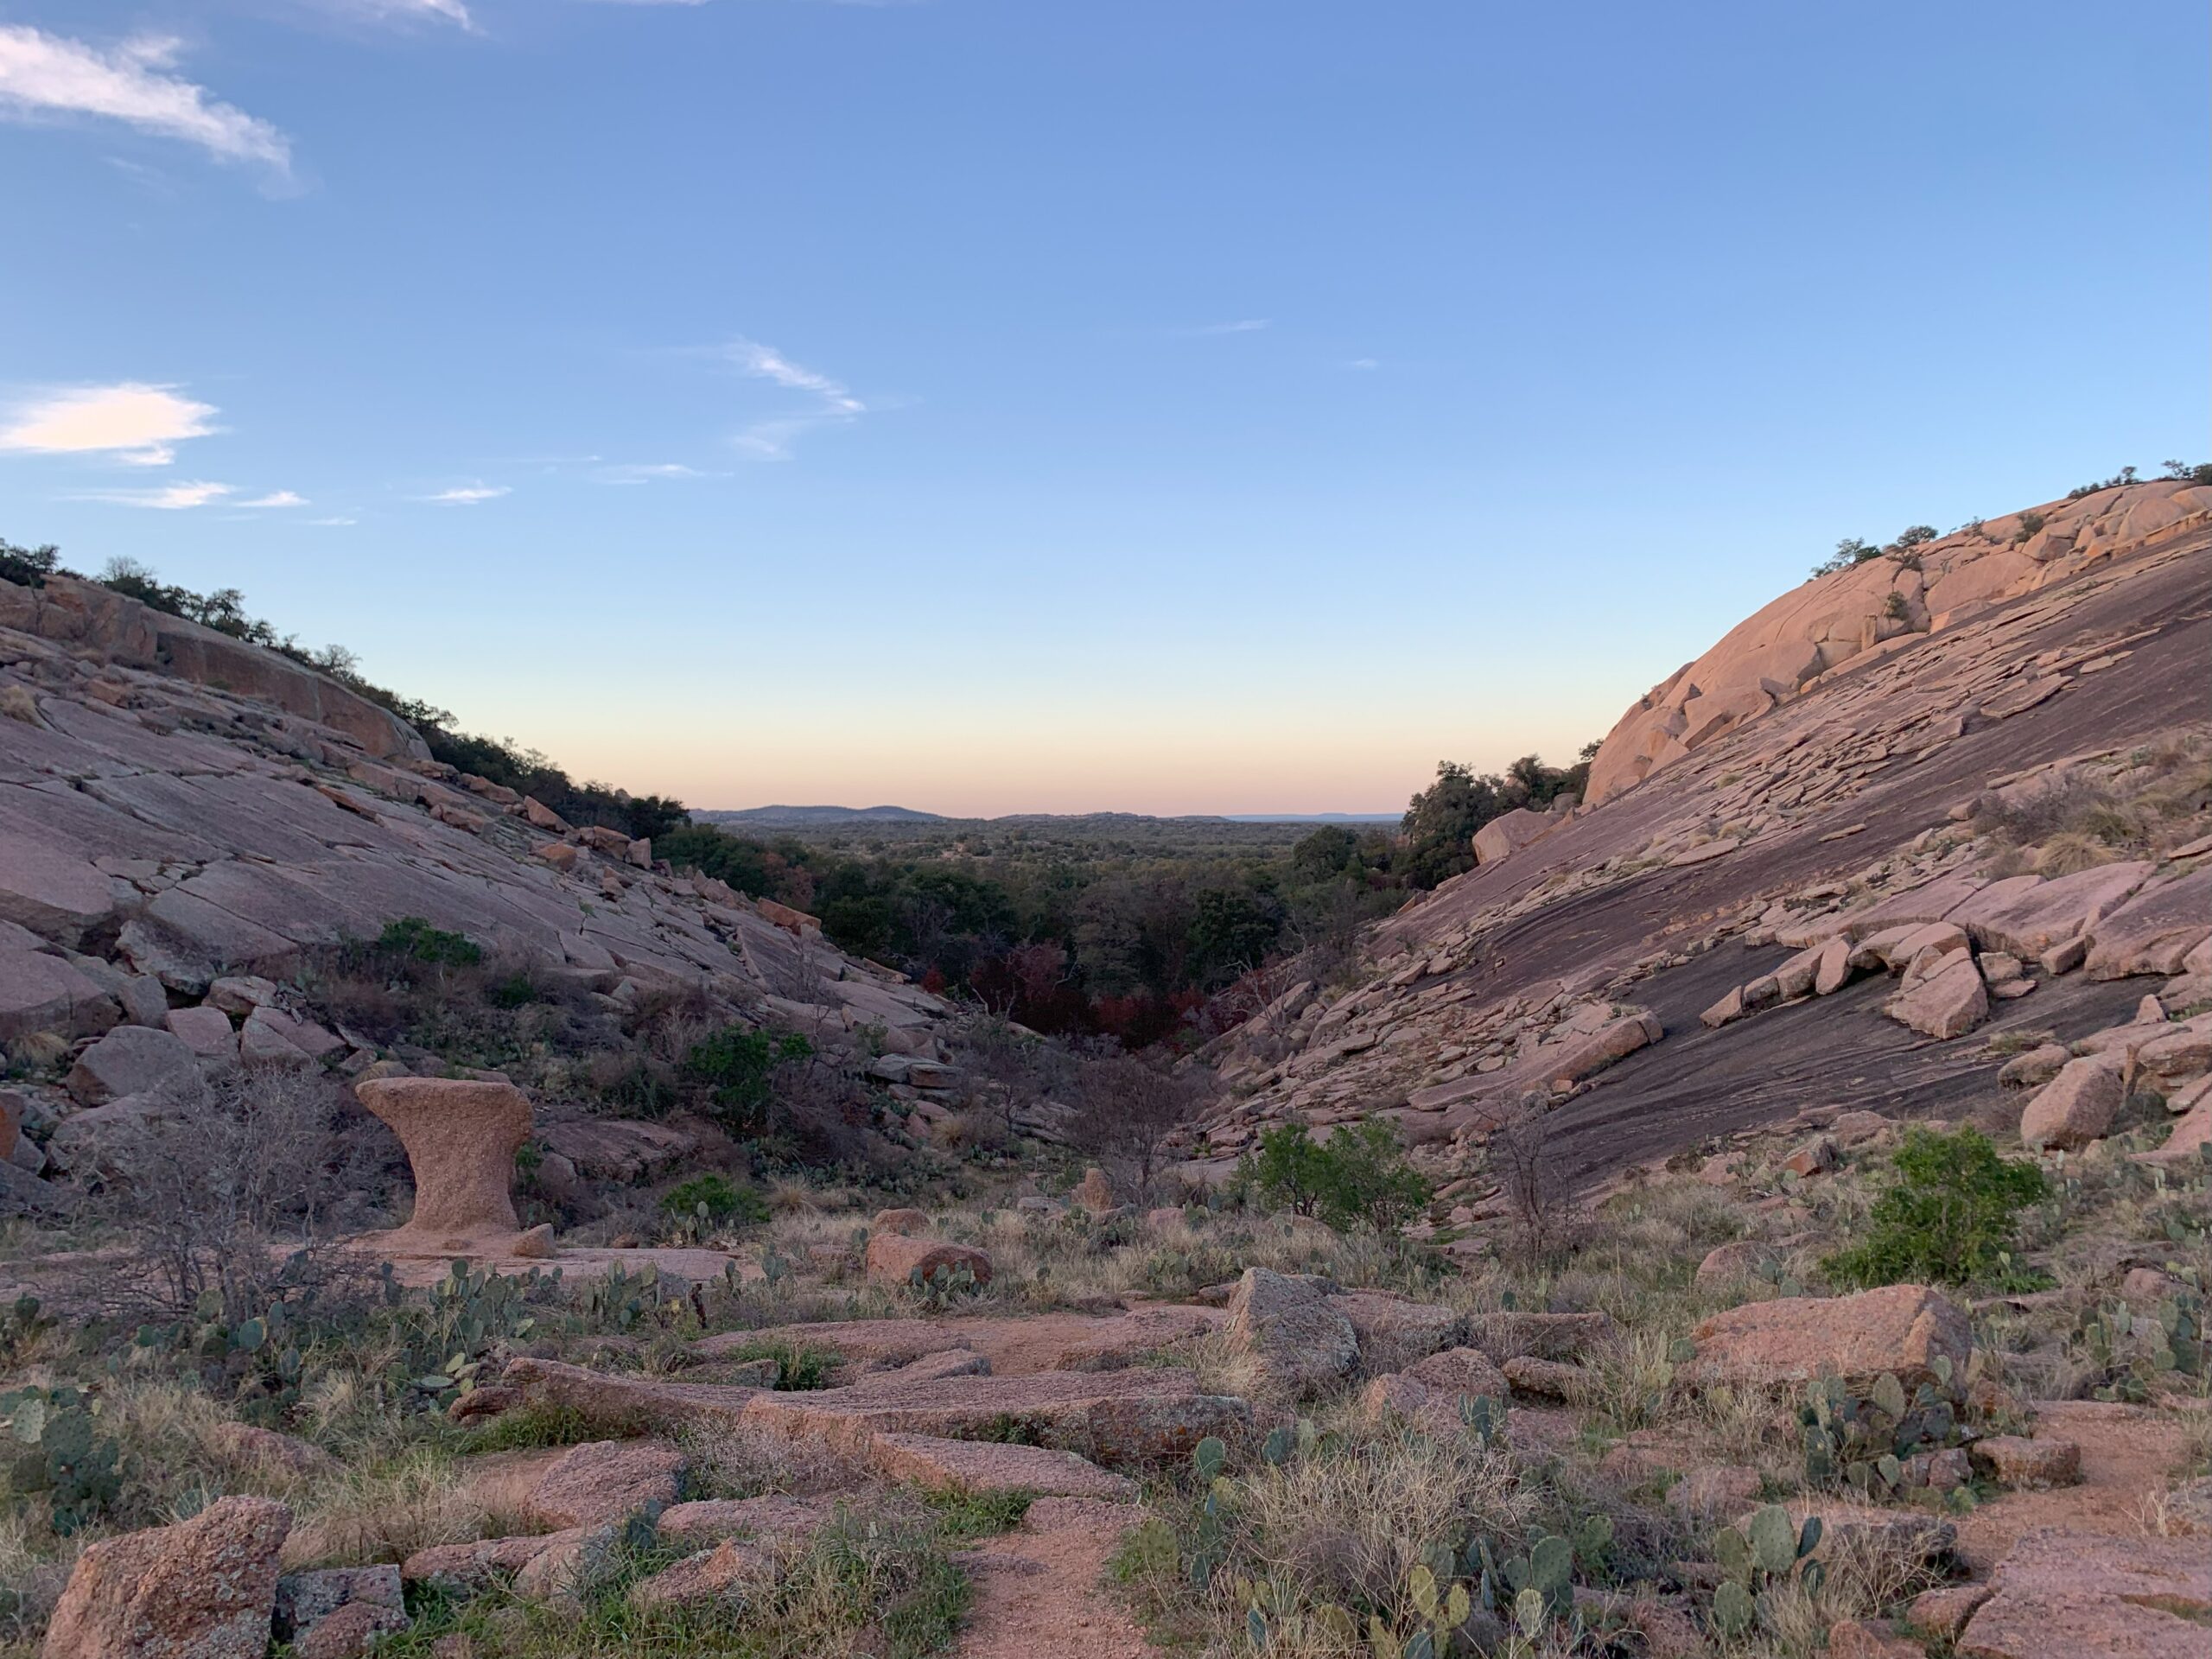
[(2027, 916), (1395, 1331), (1949, 1002), (1510, 832), (203, 1589), (130, 1060), (2154, 932), (898, 1259), (2075, 1106), (42, 993), (53, 893), (1299, 1341), (1902, 1329)]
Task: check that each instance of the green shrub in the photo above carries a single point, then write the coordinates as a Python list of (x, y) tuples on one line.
[(415, 940), (1948, 1215), (799, 1369), (737, 1065), (28, 566), (721, 1199), (517, 990), (1360, 1177)]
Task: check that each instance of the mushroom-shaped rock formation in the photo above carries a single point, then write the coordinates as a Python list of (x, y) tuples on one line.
[(460, 1137)]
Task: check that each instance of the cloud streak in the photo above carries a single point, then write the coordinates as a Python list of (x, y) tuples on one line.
[(167, 498), (833, 403), (277, 498), (45, 76), (130, 422), (466, 495)]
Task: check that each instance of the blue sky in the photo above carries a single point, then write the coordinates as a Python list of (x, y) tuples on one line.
[(988, 407)]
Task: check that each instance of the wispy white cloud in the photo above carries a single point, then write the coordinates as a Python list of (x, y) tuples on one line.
[(44, 76), (1363, 363), (333, 523), (450, 11), (832, 403), (275, 499), (466, 495), (646, 471), (170, 497), (1242, 326), (130, 422)]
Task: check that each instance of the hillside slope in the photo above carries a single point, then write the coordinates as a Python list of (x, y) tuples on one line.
[(1577, 969), (178, 809)]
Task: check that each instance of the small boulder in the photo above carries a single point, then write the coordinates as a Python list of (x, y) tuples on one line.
[(1395, 1331), (1546, 1379), (1508, 1332), (1458, 1371), (206, 1031), (712, 1575), (129, 1060), (306, 1602), (896, 1258), (1815, 1157), (2034, 1068), (2031, 1465), (1094, 1192), (1832, 970), (1733, 1264), (605, 1480), (202, 1589), (1299, 1339), (241, 994), (349, 1631), (2075, 1106)]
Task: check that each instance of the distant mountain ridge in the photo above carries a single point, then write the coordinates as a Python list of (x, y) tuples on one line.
[(802, 817)]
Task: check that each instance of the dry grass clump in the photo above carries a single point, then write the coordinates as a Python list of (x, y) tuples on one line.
[(2133, 806), (730, 1461), (385, 1512), (1346, 1524)]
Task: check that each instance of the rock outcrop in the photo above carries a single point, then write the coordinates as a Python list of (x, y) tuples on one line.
[(462, 1138), (1833, 827), (1874, 608), (202, 1589)]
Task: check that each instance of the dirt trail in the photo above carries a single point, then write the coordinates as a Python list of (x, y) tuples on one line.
[(2128, 1457), (1038, 1590)]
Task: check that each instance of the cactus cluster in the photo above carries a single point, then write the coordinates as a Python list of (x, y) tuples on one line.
[(1484, 1415), (1864, 1439), (2134, 1347), (258, 1359), (944, 1283), (59, 1451), (1755, 1559)]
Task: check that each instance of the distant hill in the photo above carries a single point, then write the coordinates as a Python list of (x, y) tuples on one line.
[(779, 817), (784, 817)]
